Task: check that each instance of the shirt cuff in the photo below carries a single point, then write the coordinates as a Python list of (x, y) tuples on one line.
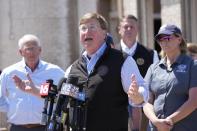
[(136, 105), (142, 90), (3, 105)]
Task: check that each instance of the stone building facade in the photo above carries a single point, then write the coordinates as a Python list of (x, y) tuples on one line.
[(56, 24)]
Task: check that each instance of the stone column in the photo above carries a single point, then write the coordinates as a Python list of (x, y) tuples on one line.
[(54, 22), (171, 12), (130, 7), (189, 18), (145, 8), (193, 21)]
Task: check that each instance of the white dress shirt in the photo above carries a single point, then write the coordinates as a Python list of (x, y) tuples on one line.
[(22, 107), (129, 67), (131, 51)]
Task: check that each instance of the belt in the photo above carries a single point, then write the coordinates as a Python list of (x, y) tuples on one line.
[(31, 125)]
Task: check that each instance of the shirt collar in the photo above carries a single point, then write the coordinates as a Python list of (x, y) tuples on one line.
[(40, 64), (177, 61), (128, 50), (98, 53)]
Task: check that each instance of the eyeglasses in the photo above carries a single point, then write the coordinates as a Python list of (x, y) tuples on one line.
[(126, 27), (92, 27), (165, 38)]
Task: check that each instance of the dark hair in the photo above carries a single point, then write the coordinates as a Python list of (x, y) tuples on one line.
[(129, 17)]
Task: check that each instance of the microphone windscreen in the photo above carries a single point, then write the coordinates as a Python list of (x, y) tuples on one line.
[(60, 83), (72, 79), (72, 91)]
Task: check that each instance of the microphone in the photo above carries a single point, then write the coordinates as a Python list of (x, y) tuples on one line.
[(59, 86), (55, 122), (69, 89), (78, 109), (44, 90), (68, 92), (61, 98), (47, 91)]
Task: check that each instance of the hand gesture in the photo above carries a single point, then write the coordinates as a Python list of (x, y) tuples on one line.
[(24, 85), (133, 93)]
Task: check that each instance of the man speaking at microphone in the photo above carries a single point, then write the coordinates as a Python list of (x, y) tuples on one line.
[(106, 76), (20, 86)]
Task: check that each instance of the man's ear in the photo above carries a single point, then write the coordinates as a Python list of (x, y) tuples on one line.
[(20, 52), (118, 29), (40, 49)]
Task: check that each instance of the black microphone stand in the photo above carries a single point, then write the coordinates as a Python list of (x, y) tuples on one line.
[(79, 116), (54, 121), (44, 112), (44, 119), (85, 109), (52, 97), (52, 94)]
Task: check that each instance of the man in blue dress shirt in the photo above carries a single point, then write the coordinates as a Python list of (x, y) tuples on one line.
[(23, 103)]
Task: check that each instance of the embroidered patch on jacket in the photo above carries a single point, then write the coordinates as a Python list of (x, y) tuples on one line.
[(140, 61), (181, 68), (103, 70)]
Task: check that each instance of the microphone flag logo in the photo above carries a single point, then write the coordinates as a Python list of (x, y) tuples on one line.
[(44, 89), (73, 91)]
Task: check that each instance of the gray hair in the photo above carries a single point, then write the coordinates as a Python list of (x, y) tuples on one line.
[(28, 38)]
